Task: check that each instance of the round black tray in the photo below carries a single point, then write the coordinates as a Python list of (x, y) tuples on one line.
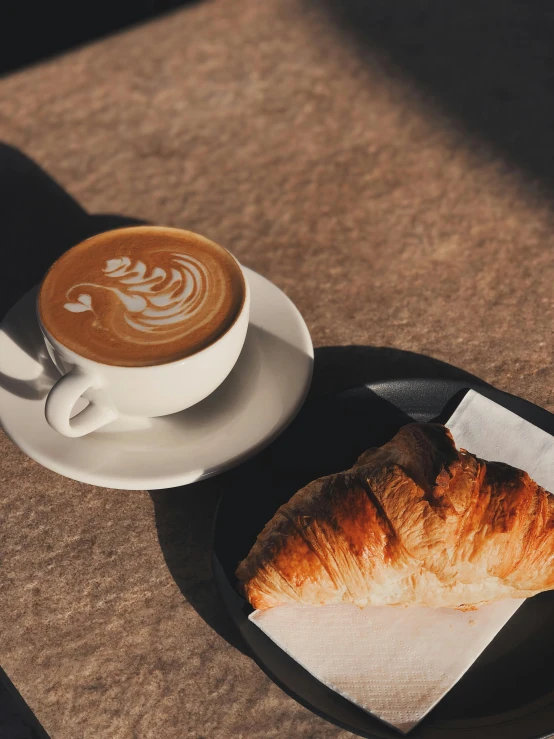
[(509, 691)]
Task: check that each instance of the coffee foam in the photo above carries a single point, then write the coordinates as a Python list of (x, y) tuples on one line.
[(141, 296)]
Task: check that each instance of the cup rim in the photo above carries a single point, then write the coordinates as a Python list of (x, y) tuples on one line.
[(181, 360)]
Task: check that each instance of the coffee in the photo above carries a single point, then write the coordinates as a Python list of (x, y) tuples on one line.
[(141, 296)]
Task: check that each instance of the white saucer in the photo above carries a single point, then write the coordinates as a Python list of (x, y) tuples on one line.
[(259, 398)]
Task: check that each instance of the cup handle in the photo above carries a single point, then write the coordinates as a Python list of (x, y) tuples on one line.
[(61, 399)]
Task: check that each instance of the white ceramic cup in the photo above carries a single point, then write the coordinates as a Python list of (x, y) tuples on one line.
[(158, 390)]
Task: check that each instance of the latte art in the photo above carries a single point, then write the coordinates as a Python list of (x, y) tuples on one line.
[(141, 295), (162, 302)]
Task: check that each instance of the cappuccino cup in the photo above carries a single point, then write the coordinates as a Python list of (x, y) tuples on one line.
[(141, 321)]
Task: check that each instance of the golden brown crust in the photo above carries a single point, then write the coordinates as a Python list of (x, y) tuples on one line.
[(415, 522)]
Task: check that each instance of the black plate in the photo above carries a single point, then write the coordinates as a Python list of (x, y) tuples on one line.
[(509, 692)]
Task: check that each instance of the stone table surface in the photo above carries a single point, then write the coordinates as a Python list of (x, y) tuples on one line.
[(392, 177)]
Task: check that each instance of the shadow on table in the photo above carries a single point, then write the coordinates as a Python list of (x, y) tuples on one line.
[(487, 64), (39, 220), (17, 721), (185, 516), (39, 30)]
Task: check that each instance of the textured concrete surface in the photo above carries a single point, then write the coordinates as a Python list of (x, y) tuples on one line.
[(280, 131)]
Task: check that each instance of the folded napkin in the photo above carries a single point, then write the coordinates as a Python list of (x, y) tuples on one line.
[(397, 663)]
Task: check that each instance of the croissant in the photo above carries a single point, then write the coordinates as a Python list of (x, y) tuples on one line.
[(414, 522)]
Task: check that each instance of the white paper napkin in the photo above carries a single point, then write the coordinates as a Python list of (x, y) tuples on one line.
[(397, 663)]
